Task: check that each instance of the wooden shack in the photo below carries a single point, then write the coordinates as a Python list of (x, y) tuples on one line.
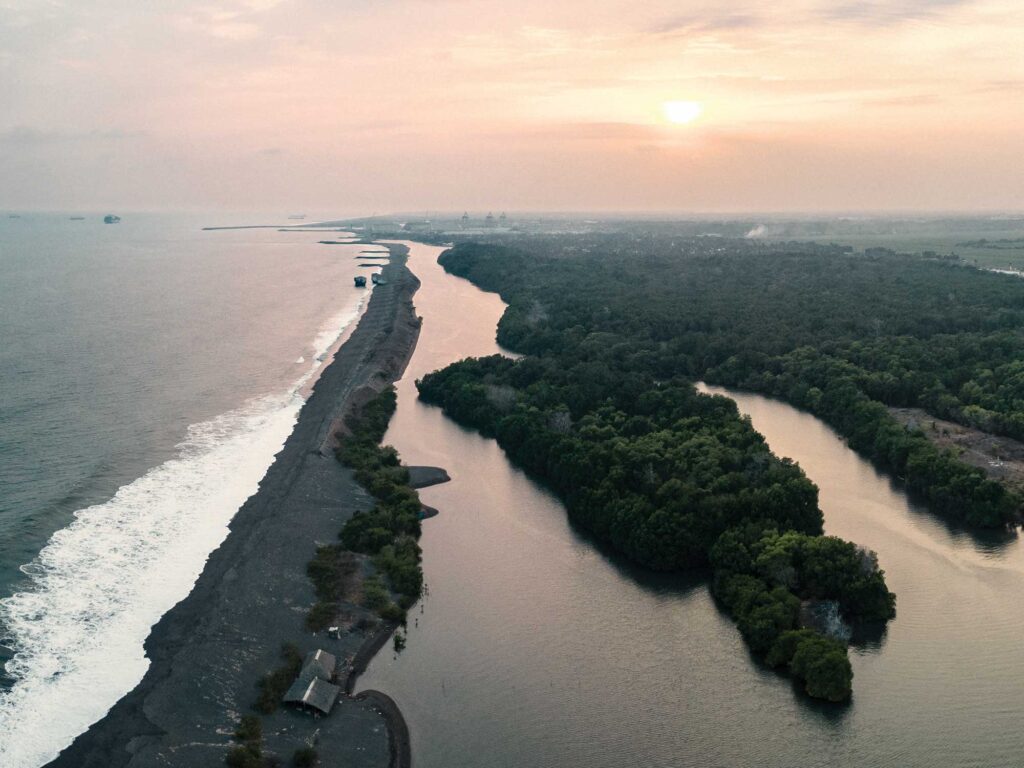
[(313, 688)]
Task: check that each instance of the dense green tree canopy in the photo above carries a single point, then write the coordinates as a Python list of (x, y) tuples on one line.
[(843, 335), (601, 407)]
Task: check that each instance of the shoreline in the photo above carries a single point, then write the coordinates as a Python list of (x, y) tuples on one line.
[(207, 653)]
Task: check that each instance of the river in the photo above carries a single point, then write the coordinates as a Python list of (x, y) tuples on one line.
[(532, 647)]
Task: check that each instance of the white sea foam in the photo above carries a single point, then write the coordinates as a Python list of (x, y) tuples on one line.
[(100, 584)]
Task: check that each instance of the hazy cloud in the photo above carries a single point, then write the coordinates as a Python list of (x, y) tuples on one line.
[(913, 100), (27, 135), (407, 103), (1002, 86), (886, 12), (704, 22)]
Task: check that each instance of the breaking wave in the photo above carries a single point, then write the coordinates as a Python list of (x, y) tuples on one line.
[(101, 583)]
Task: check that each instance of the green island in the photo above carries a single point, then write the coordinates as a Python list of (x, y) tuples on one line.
[(615, 328)]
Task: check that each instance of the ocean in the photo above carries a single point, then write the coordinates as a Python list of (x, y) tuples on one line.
[(149, 372)]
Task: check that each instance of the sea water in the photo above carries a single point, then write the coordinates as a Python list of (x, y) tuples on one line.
[(149, 373)]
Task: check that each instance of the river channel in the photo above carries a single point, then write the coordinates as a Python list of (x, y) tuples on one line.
[(533, 647)]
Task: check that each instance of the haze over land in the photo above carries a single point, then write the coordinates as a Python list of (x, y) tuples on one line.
[(356, 107)]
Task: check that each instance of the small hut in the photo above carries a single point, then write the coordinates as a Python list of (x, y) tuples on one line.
[(313, 687), (360, 281), (317, 694)]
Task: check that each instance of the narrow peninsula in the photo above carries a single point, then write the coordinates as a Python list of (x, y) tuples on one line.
[(221, 658)]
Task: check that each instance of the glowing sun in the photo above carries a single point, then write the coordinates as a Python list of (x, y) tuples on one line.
[(682, 112)]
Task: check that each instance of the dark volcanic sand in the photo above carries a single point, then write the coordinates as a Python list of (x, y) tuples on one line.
[(208, 652)]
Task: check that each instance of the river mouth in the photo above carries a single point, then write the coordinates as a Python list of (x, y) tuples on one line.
[(533, 647)]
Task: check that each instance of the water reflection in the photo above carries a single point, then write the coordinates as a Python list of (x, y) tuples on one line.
[(533, 647)]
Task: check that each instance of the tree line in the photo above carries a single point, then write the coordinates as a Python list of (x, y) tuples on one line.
[(602, 410), (842, 335)]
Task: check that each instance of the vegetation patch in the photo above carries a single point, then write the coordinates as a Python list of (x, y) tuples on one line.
[(334, 572), (305, 757), (390, 531), (602, 409), (273, 685), (249, 752), (839, 334), (761, 576)]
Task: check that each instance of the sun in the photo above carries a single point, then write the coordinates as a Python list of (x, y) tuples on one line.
[(682, 112)]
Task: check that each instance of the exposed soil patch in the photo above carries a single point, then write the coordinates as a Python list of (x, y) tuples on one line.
[(1002, 458)]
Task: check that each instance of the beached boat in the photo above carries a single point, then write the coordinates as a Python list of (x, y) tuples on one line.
[(360, 281)]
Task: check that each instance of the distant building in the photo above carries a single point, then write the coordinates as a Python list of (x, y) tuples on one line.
[(502, 219), (381, 225), (877, 253), (489, 221), (417, 226), (465, 219)]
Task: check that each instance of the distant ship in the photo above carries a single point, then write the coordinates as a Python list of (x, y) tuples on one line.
[(297, 216), (77, 218), (111, 219)]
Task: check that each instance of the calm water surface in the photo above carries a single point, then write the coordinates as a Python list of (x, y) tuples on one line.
[(532, 648)]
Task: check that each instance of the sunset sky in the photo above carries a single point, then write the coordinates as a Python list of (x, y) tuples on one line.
[(383, 105)]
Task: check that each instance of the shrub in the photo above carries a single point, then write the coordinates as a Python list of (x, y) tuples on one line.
[(824, 667), (244, 757), (273, 685), (391, 612), (320, 616), (250, 729), (332, 571), (375, 594), (785, 646)]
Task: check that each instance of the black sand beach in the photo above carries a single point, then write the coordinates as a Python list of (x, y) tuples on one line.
[(208, 652)]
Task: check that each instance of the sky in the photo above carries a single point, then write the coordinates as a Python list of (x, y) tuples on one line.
[(361, 106)]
